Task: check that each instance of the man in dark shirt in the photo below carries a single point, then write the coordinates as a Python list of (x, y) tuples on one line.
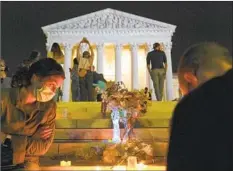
[(201, 135), (157, 67)]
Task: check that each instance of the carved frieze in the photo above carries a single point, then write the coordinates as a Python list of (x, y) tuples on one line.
[(109, 21)]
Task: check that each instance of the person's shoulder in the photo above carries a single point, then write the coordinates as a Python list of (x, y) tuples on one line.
[(151, 52), (207, 93), (8, 93)]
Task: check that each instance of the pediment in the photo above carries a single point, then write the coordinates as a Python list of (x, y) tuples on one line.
[(108, 19)]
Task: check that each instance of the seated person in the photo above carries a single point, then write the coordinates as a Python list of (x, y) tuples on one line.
[(100, 87), (28, 112), (147, 93)]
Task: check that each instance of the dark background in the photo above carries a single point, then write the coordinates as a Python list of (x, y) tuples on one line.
[(21, 23)]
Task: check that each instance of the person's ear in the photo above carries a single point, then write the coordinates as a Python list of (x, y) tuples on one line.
[(191, 79)]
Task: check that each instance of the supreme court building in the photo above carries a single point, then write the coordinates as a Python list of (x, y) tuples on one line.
[(120, 41)]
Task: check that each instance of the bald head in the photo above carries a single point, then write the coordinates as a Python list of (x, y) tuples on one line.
[(202, 62)]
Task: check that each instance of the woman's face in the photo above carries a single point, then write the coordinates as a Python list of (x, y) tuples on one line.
[(45, 88), (52, 82)]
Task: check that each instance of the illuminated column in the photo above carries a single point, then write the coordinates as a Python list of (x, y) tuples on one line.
[(169, 75), (149, 83), (100, 58), (118, 72), (135, 76), (67, 65), (48, 47)]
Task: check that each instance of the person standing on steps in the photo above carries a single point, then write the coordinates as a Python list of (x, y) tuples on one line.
[(85, 62), (157, 67)]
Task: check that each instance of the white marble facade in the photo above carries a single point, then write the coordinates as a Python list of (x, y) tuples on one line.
[(118, 28)]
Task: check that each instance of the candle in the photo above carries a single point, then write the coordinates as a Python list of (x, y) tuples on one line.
[(68, 163), (117, 168), (62, 163), (97, 168), (141, 166), (132, 162), (65, 163)]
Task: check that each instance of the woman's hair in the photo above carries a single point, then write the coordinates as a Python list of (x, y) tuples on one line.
[(43, 68), (34, 55), (75, 61), (56, 49)]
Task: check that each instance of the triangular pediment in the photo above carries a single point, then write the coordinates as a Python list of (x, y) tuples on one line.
[(108, 19)]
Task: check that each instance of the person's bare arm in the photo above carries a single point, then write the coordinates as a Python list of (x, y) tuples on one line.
[(78, 56), (92, 53), (148, 62), (165, 61)]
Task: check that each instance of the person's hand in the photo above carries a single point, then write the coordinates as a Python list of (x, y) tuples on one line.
[(43, 133), (85, 40)]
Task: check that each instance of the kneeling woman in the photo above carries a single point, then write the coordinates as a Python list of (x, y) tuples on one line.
[(28, 112)]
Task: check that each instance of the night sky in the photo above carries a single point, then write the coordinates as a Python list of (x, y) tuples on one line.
[(21, 23)]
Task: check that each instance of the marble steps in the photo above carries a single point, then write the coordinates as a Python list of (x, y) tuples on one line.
[(142, 122), (147, 134), (91, 110)]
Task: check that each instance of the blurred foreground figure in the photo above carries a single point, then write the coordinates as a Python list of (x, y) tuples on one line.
[(200, 63), (201, 134)]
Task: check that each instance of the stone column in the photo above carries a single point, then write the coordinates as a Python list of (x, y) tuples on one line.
[(135, 76), (67, 65), (169, 74), (118, 70), (100, 57), (48, 47), (149, 83)]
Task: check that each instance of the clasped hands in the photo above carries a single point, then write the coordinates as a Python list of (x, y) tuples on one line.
[(43, 133), (84, 40)]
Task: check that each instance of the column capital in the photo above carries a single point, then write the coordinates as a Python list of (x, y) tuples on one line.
[(48, 46), (167, 45), (68, 45), (149, 46), (118, 46), (134, 45), (99, 45)]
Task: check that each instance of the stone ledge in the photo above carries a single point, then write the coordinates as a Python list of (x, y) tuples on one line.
[(156, 134), (68, 149), (107, 123)]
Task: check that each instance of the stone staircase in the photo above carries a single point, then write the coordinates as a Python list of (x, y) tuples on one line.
[(84, 128)]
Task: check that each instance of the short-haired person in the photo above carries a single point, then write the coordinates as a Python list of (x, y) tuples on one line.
[(201, 137), (28, 112), (157, 67), (202, 62)]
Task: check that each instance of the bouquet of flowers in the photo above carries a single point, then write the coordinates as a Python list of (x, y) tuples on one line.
[(126, 107)]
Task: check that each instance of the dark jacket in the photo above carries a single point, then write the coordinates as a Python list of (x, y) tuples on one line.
[(201, 134)]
